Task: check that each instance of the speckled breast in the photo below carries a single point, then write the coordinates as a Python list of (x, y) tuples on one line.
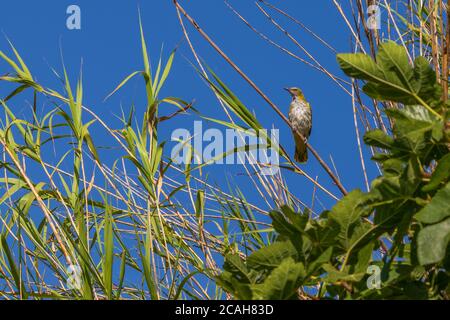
[(300, 116)]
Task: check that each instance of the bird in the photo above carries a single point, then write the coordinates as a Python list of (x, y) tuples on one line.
[(300, 118)]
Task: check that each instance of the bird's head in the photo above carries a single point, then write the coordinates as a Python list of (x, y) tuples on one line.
[(295, 93)]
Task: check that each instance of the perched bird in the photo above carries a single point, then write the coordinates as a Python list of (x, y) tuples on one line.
[(300, 116)]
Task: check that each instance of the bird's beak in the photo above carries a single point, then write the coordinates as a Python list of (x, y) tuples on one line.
[(287, 89)]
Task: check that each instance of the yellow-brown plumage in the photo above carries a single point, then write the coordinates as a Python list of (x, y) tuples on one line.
[(300, 117)]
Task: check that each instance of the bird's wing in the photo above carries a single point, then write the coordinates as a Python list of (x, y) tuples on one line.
[(310, 128)]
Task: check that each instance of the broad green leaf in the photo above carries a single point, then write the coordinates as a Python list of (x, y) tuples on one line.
[(293, 229), (349, 209), (282, 283), (377, 138), (271, 256), (322, 259), (432, 242), (360, 261), (392, 59), (334, 275), (416, 130), (440, 174), (348, 213), (438, 209), (235, 265), (360, 66), (289, 223), (425, 84), (392, 78), (240, 290)]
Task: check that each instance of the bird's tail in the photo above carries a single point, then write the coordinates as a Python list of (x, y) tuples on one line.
[(301, 152)]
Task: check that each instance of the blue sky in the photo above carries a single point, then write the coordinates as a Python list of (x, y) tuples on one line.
[(109, 45)]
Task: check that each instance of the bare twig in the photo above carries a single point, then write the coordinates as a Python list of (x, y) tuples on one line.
[(261, 93)]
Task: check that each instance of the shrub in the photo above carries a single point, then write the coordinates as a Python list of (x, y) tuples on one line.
[(401, 226)]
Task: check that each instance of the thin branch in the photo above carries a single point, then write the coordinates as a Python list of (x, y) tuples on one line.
[(262, 94)]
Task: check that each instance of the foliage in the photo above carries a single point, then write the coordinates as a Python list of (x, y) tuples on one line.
[(402, 225), (120, 220), (94, 231)]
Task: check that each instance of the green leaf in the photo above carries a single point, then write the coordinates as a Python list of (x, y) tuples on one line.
[(240, 290), (334, 275), (235, 265), (348, 210), (440, 174), (347, 213), (120, 85), (165, 73), (413, 122), (14, 270), (91, 147), (271, 256), (393, 61), (432, 242), (361, 261), (200, 204), (232, 101), (378, 138), (322, 259), (438, 209), (359, 66), (282, 283), (425, 76), (392, 78), (291, 225), (108, 261)]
